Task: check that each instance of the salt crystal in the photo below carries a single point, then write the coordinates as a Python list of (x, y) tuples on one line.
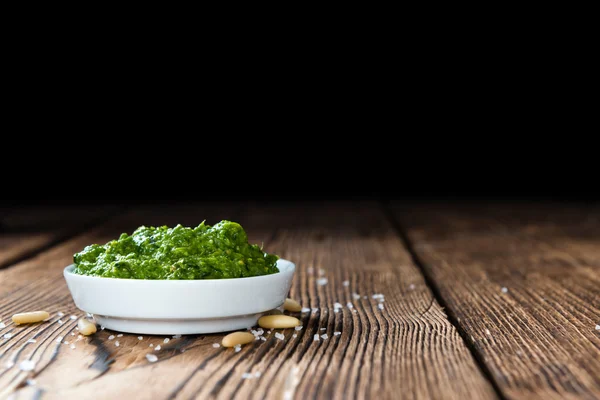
[(27, 365), (151, 345), (598, 327), (504, 290), (9, 364), (322, 281), (140, 338), (60, 314), (315, 310), (151, 357), (294, 336), (237, 348), (280, 336), (356, 296), (30, 382), (157, 347), (346, 283), (337, 333), (268, 332), (72, 333), (380, 306), (354, 311), (316, 337), (66, 342), (350, 306), (73, 317), (88, 315), (260, 332), (2, 325), (305, 309), (166, 340), (79, 337), (246, 375), (117, 343), (487, 331), (31, 341), (101, 327), (72, 346), (411, 286), (337, 305), (323, 329), (264, 339), (111, 337), (324, 336), (336, 310), (120, 335), (257, 374), (216, 345), (7, 335), (59, 339), (59, 321)]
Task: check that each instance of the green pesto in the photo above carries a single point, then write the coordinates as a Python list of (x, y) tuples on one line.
[(204, 252)]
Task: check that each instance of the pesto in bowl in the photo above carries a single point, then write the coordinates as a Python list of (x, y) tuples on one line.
[(220, 251)]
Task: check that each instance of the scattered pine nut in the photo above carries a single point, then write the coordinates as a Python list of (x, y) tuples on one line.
[(278, 321), (292, 305), (30, 317), (86, 327), (237, 338)]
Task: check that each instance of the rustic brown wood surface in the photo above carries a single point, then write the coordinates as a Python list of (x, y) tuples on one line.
[(25, 230), (408, 349), (523, 284)]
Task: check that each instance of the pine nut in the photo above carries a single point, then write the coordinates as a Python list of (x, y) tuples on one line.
[(236, 338), (278, 321), (30, 317), (86, 327), (292, 305)]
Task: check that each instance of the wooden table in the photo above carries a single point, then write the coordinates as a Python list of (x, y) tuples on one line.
[(457, 301)]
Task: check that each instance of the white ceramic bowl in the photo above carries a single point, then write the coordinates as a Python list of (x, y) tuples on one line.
[(180, 306)]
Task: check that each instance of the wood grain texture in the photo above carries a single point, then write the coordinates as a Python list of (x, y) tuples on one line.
[(25, 230), (537, 335), (407, 350)]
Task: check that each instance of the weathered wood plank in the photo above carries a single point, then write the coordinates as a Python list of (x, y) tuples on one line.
[(524, 284), (25, 230), (407, 350)]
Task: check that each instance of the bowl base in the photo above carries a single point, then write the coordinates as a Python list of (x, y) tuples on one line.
[(177, 326)]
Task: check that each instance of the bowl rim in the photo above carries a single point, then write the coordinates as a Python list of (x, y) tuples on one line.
[(287, 267)]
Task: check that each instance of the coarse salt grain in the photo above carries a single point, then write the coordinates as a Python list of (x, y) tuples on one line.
[(59, 339), (237, 348), (323, 329), (72, 333), (216, 345), (305, 309), (7, 335), (101, 327), (151, 345), (322, 281), (30, 382), (151, 357), (66, 342), (380, 306), (31, 341), (598, 327), (337, 333), (72, 346), (316, 337), (337, 305), (157, 347), (257, 374), (298, 328), (350, 306), (166, 340), (117, 343), (9, 364), (264, 339), (504, 290), (246, 375), (356, 296), (120, 335), (73, 317), (346, 283), (27, 365), (279, 336), (487, 331), (324, 336), (60, 314), (260, 332), (2, 325), (111, 337), (294, 336), (140, 338), (59, 321), (268, 332), (88, 315)]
